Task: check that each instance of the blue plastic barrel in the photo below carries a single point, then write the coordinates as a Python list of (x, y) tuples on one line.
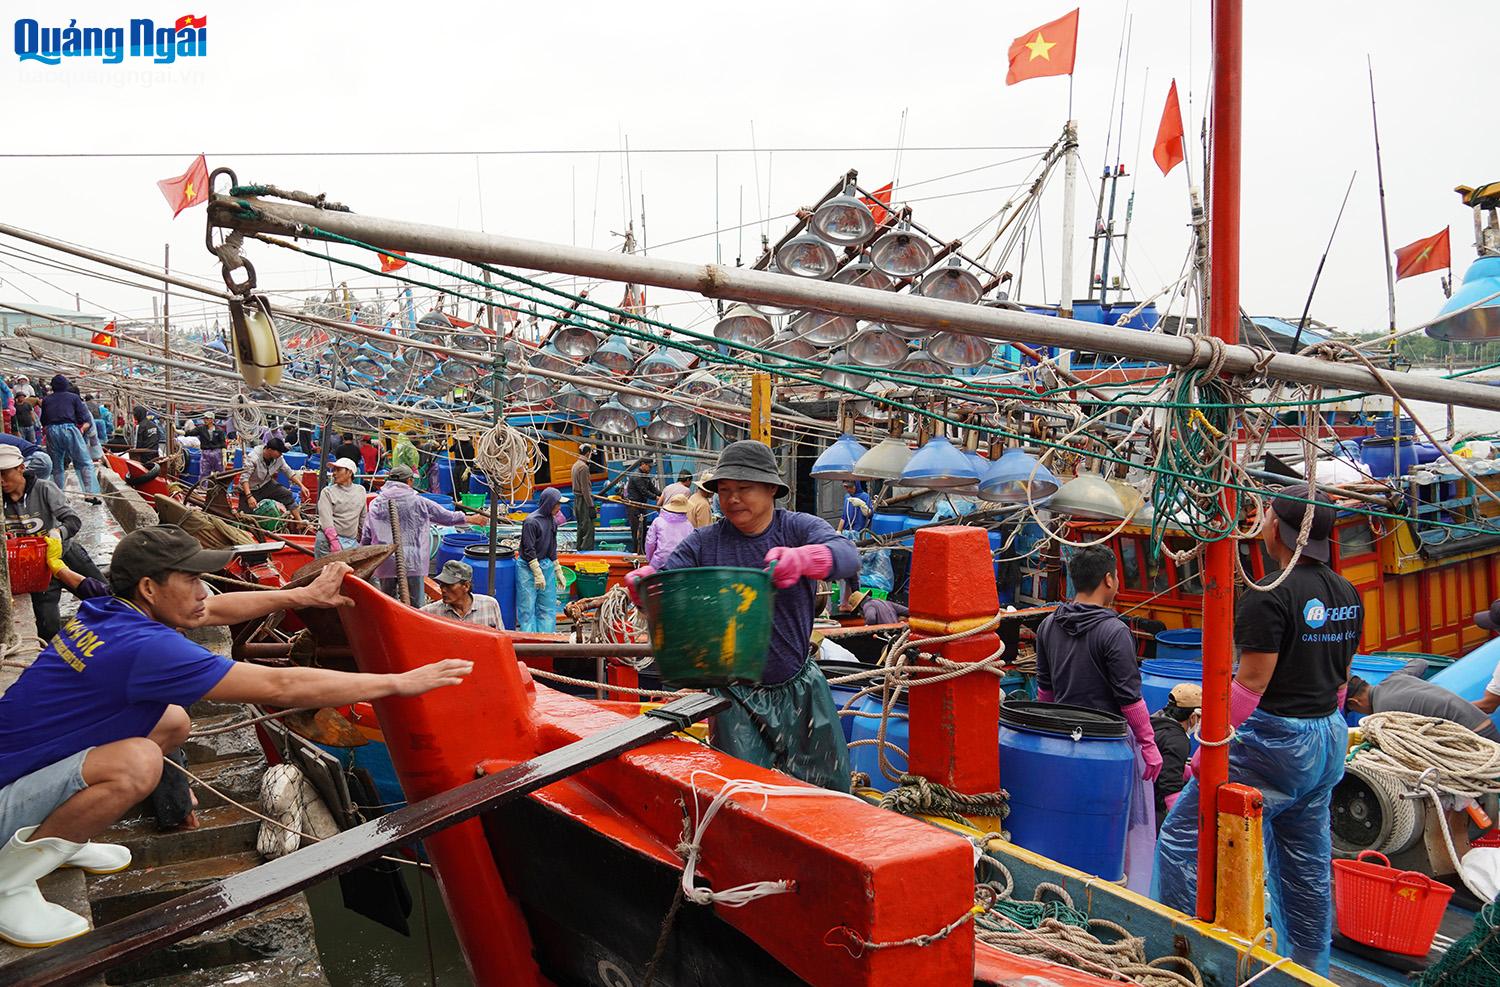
[(503, 586), (1069, 772), (1159, 675), (611, 513), (444, 467), (866, 757), (452, 546), (295, 460), (478, 484), (882, 523), (1185, 644), (194, 465), (843, 693), (1379, 456), (442, 500)]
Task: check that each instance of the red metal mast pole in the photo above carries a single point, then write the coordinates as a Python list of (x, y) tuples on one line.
[(1224, 323)]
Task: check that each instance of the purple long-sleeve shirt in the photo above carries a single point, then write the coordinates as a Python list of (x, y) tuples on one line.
[(722, 543), (417, 515)]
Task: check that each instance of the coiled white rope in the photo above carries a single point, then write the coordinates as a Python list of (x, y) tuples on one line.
[(1427, 749), (508, 457)]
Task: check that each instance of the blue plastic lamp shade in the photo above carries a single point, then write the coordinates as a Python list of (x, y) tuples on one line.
[(1481, 281), (837, 461), (939, 465), (1010, 477)]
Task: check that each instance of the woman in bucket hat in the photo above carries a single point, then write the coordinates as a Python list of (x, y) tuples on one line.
[(788, 722)]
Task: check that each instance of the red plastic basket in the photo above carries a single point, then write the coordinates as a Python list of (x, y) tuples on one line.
[(27, 558), (1397, 911)]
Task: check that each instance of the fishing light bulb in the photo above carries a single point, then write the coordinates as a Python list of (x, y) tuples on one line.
[(1088, 497), (959, 349), (743, 324), (614, 355), (837, 461), (823, 328), (877, 346), (806, 256), (902, 253), (863, 274), (951, 283), (1017, 477), (613, 418), (575, 341), (843, 220), (938, 465)]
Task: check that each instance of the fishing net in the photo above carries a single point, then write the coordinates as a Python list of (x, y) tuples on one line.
[(1474, 960)]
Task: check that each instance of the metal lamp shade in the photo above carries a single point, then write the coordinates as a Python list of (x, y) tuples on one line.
[(787, 344), (958, 349), (660, 430), (594, 382), (547, 358), (424, 336), (873, 410), (885, 461), (823, 328), (473, 341), (574, 400), (843, 220), (529, 390), (368, 365), (614, 355), (939, 465), (1016, 472), (642, 402), (863, 274), (921, 362), (613, 418), (1088, 497), (661, 367), (950, 283), (902, 253), (699, 384), (1478, 311), (907, 332), (1129, 496), (421, 362), (388, 345), (837, 461), (806, 256), (575, 341), (458, 373), (877, 346), (842, 378), (743, 324), (677, 414)]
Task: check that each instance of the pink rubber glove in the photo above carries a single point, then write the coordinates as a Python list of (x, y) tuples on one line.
[(1243, 701), (334, 545), (1139, 719), (634, 577), (800, 562), (1171, 800), (1044, 695), (1343, 694)]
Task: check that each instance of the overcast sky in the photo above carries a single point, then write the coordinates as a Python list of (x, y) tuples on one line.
[(455, 76)]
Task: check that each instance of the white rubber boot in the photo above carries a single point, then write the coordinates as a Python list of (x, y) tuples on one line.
[(100, 858), (26, 918)]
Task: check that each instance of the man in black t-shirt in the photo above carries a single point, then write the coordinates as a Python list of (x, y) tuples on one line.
[(1295, 641)]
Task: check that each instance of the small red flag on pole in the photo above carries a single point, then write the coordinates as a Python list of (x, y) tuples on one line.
[(879, 202), (1048, 50), (1168, 149), (392, 262), (105, 337), (188, 189), (1428, 254)]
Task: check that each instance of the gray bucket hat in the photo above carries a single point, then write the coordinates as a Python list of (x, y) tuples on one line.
[(750, 461)]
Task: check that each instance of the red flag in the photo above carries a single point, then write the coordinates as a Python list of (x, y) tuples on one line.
[(1428, 254), (187, 189), (105, 337), (879, 202), (188, 20), (389, 263), (1049, 50), (1168, 150)]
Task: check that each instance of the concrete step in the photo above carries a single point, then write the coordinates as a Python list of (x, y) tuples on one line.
[(278, 939), (68, 888), (234, 743), (236, 777), (115, 896), (221, 830), (281, 971)]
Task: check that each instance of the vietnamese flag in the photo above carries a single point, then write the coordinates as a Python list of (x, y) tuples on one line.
[(1168, 150), (1048, 50), (105, 337), (390, 262), (879, 203), (1428, 254), (188, 189)]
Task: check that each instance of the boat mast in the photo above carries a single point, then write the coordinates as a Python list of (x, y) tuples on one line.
[(1224, 324), (1070, 190), (1390, 273)]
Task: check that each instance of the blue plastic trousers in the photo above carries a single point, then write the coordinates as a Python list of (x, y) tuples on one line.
[(1295, 764), (66, 445), (536, 609)]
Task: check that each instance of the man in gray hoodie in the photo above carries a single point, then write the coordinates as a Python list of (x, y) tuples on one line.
[(35, 506)]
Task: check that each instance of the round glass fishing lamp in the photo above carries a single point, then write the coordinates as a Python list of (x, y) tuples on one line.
[(420, 362), (575, 341), (921, 363), (938, 465), (649, 401), (527, 389), (1088, 497), (837, 461), (662, 367), (823, 328), (471, 340), (613, 418), (838, 377), (1017, 477), (388, 344), (959, 349), (863, 274), (660, 430), (677, 414), (877, 346), (806, 256), (743, 324), (548, 358), (843, 220), (614, 355), (950, 283), (885, 461), (699, 384), (788, 344), (594, 382), (459, 374), (573, 400), (902, 253), (368, 365)]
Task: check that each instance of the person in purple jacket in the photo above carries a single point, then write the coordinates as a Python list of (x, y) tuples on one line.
[(415, 516), (788, 722)]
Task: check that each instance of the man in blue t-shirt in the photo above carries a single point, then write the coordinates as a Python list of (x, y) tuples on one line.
[(84, 729)]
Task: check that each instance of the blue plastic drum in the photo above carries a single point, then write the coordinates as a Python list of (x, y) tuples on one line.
[(1159, 675), (503, 584), (1069, 772), (610, 514), (866, 756), (1185, 644)]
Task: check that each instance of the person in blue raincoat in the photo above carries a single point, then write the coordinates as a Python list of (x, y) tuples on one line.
[(1295, 643), (536, 587), (855, 520)]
